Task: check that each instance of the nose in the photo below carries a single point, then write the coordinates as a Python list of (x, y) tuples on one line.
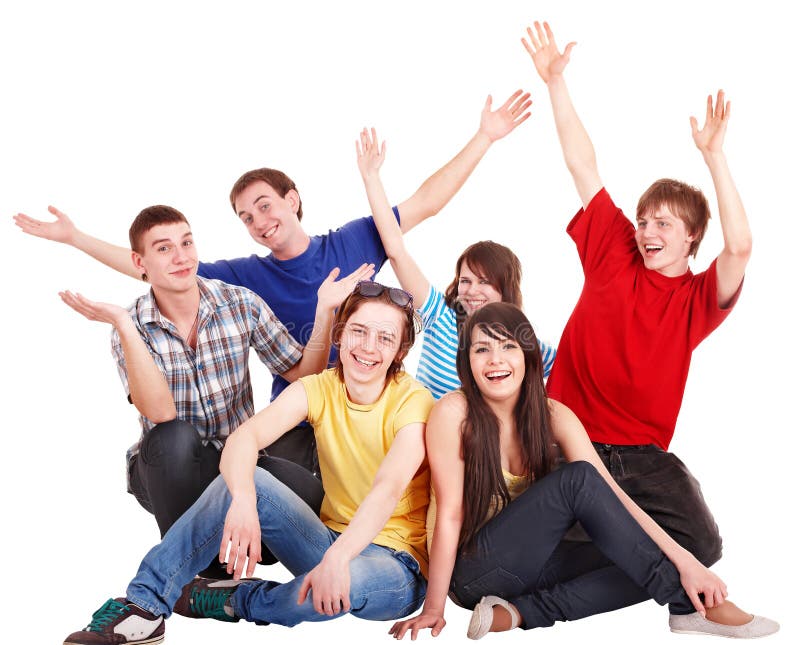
[(369, 340)]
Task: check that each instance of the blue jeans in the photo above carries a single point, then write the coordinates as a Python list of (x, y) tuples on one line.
[(384, 584), (519, 554)]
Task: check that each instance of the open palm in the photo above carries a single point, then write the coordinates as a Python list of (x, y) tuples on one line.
[(541, 46)]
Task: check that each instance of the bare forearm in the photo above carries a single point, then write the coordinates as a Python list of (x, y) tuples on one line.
[(733, 219), (115, 257), (576, 145), (442, 561), (439, 188), (238, 463), (147, 386)]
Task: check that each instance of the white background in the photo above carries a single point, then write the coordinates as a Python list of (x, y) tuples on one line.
[(105, 110)]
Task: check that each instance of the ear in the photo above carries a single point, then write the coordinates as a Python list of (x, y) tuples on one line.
[(293, 197), (136, 258)]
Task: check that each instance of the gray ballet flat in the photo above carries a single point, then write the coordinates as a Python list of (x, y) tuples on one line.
[(696, 624), (481, 621)]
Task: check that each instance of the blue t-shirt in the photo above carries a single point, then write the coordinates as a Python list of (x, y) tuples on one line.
[(289, 287)]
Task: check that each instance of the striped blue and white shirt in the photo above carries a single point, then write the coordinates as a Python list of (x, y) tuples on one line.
[(437, 361)]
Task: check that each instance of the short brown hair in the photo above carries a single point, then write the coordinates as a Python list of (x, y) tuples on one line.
[(408, 334), (684, 201), (495, 262), (279, 181), (150, 217)]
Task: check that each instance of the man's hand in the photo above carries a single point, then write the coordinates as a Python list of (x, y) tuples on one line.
[(241, 538), (99, 311), (62, 230), (709, 140), (506, 118), (549, 62), (370, 155), (332, 292), (329, 584)]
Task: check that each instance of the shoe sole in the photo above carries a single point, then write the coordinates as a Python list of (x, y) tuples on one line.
[(150, 641), (696, 633)]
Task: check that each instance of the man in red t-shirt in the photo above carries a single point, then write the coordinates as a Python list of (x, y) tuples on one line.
[(624, 355)]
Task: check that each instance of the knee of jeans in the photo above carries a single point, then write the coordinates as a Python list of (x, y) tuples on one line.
[(708, 549), (578, 471), (174, 442)]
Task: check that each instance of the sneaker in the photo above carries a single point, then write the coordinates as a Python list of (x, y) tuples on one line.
[(696, 624), (205, 598), (119, 622)]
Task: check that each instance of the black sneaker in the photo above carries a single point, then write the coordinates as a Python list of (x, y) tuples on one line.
[(204, 598), (119, 622)]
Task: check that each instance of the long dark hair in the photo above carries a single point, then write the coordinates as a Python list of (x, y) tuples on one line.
[(480, 437), (495, 262)]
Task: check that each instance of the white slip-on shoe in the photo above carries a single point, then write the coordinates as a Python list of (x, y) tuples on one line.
[(481, 621), (696, 624)]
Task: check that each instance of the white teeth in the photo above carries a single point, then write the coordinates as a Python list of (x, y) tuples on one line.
[(365, 363), (270, 232), (652, 247), (498, 374)]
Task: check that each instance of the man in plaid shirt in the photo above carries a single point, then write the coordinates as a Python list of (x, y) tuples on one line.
[(182, 353)]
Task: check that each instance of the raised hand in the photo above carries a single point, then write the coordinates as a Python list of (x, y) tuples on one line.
[(423, 621), (99, 311), (507, 117), (709, 140), (549, 62), (332, 292), (62, 230), (370, 155), (241, 538)]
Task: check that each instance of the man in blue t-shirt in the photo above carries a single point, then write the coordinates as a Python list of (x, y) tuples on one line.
[(269, 205)]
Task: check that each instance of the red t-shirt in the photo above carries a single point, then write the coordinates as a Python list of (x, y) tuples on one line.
[(624, 355)]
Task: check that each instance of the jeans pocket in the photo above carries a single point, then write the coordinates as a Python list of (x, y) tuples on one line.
[(497, 582)]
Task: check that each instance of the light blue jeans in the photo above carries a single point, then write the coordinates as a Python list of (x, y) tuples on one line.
[(384, 584)]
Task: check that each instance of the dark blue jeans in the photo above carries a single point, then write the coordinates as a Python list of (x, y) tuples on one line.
[(519, 554)]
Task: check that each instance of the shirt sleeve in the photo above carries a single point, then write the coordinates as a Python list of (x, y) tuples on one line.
[(603, 236), (706, 314), (363, 241), (415, 408), (119, 359), (434, 308), (548, 353), (273, 343)]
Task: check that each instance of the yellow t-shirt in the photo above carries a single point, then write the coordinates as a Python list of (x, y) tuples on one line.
[(352, 441)]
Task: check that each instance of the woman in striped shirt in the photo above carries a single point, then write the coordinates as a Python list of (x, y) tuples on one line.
[(485, 272)]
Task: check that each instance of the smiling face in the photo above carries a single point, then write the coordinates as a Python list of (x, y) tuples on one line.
[(271, 219), (474, 290), (664, 242), (370, 342), (168, 257), (497, 365)]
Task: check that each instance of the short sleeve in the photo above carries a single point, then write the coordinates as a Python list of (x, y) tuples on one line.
[(434, 308), (275, 346), (415, 408)]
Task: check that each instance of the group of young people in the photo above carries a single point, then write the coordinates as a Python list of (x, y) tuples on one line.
[(528, 503)]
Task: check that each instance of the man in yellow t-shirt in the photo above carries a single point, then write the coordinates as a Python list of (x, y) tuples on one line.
[(365, 555)]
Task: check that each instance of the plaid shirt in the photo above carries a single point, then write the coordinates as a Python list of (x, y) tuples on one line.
[(211, 385)]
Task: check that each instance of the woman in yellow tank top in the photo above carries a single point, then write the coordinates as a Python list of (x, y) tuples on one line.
[(503, 507)]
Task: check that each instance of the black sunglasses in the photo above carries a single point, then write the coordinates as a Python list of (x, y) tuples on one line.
[(371, 289)]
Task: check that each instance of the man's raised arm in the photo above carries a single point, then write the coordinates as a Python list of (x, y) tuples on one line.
[(64, 230), (439, 188), (732, 261), (575, 142)]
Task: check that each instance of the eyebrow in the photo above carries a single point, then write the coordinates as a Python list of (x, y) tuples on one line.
[(167, 239)]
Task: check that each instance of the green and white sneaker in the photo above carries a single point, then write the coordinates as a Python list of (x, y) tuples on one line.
[(206, 598), (119, 622)]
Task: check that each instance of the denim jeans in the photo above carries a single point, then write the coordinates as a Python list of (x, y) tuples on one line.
[(514, 551), (384, 584), (173, 468)]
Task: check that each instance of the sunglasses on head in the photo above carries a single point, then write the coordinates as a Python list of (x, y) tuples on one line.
[(371, 289)]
